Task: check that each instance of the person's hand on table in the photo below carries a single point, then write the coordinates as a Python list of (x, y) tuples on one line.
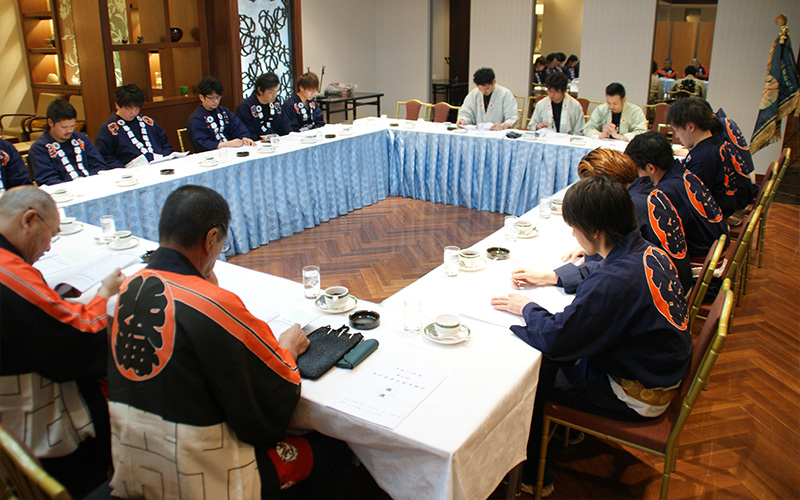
[(111, 283), (233, 143), (294, 340), (512, 303), (575, 256), (498, 126), (248, 141), (461, 122), (609, 130), (542, 125), (523, 276)]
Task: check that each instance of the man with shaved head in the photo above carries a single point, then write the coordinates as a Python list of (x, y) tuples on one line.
[(52, 351)]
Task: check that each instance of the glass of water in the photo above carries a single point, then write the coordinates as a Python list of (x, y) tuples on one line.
[(544, 206), (108, 227), (451, 260), (412, 314), (510, 228), (311, 280)]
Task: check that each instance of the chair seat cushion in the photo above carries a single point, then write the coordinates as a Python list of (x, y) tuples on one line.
[(652, 434)]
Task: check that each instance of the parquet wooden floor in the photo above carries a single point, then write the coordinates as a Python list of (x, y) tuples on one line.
[(743, 438)]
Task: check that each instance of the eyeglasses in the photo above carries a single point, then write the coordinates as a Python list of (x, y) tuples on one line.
[(226, 245), (212, 97), (55, 236)]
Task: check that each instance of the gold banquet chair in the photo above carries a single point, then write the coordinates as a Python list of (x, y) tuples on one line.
[(698, 292), (22, 476), (183, 139), (441, 110), (661, 435), (782, 165), (412, 109)]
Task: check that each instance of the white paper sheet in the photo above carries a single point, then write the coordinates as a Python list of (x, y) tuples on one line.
[(385, 395), (58, 270)]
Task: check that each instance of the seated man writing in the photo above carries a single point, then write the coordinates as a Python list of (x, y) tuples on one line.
[(13, 171), (127, 136), (262, 112), (701, 217), (616, 119), (621, 362), (200, 390), (51, 351), (488, 103), (212, 126), (63, 154), (559, 110), (667, 71), (301, 109)]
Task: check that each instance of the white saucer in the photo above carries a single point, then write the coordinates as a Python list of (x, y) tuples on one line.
[(266, 151), (63, 198), (348, 306), (73, 228), (479, 267), (345, 132), (460, 131), (309, 140), (429, 332), (205, 163), (124, 183), (132, 242), (533, 234)]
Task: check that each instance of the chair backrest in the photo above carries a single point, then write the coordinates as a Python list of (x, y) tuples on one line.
[(441, 110), (660, 116), (45, 98), (698, 292), (412, 109), (77, 102), (522, 109), (737, 252), (584, 104), (22, 472), (781, 166), (705, 351), (183, 139)]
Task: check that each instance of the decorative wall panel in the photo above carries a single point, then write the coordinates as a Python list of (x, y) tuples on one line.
[(265, 37)]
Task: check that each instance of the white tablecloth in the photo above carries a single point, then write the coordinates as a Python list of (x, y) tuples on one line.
[(461, 440)]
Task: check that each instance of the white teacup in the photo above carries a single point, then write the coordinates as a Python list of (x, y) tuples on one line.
[(470, 258), (447, 325), (121, 238), (336, 296), (555, 206), (524, 227), (66, 222)]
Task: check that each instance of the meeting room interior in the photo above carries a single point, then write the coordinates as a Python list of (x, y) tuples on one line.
[(490, 236)]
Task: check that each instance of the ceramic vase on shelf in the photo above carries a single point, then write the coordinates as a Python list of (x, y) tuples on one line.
[(176, 34)]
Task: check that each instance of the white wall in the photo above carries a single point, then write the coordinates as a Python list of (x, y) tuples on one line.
[(562, 26), (340, 34), (500, 38), (743, 35), (403, 58), (15, 85), (617, 46), (440, 38)]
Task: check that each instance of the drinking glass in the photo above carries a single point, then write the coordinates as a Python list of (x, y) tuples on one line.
[(224, 156), (108, 227), (273, 140), (545, 203), (451, 259), (412, 314), (510, 228), (311, 280)]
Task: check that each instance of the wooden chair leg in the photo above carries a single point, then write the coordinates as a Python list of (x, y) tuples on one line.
[(762, 232), (542, 458)]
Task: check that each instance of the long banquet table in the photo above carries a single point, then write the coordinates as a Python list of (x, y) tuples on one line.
[(472, 429), (301, 185)]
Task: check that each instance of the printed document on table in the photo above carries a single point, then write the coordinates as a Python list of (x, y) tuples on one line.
[(479, 307), (385, 394), (61, 270), (171, 156)]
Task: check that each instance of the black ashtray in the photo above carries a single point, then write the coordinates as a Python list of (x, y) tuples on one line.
[(365, 320), (498, 253), (394, 124), (167, 171), (452, 128), (242, 154), (330, 136)]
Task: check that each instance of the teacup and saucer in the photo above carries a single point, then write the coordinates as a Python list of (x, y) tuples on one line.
[(336, 299), (69, 225), (208, 161), (127, 180), (447, 329), (471, 260), (61, 195), (526, 229), (123, 240)]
